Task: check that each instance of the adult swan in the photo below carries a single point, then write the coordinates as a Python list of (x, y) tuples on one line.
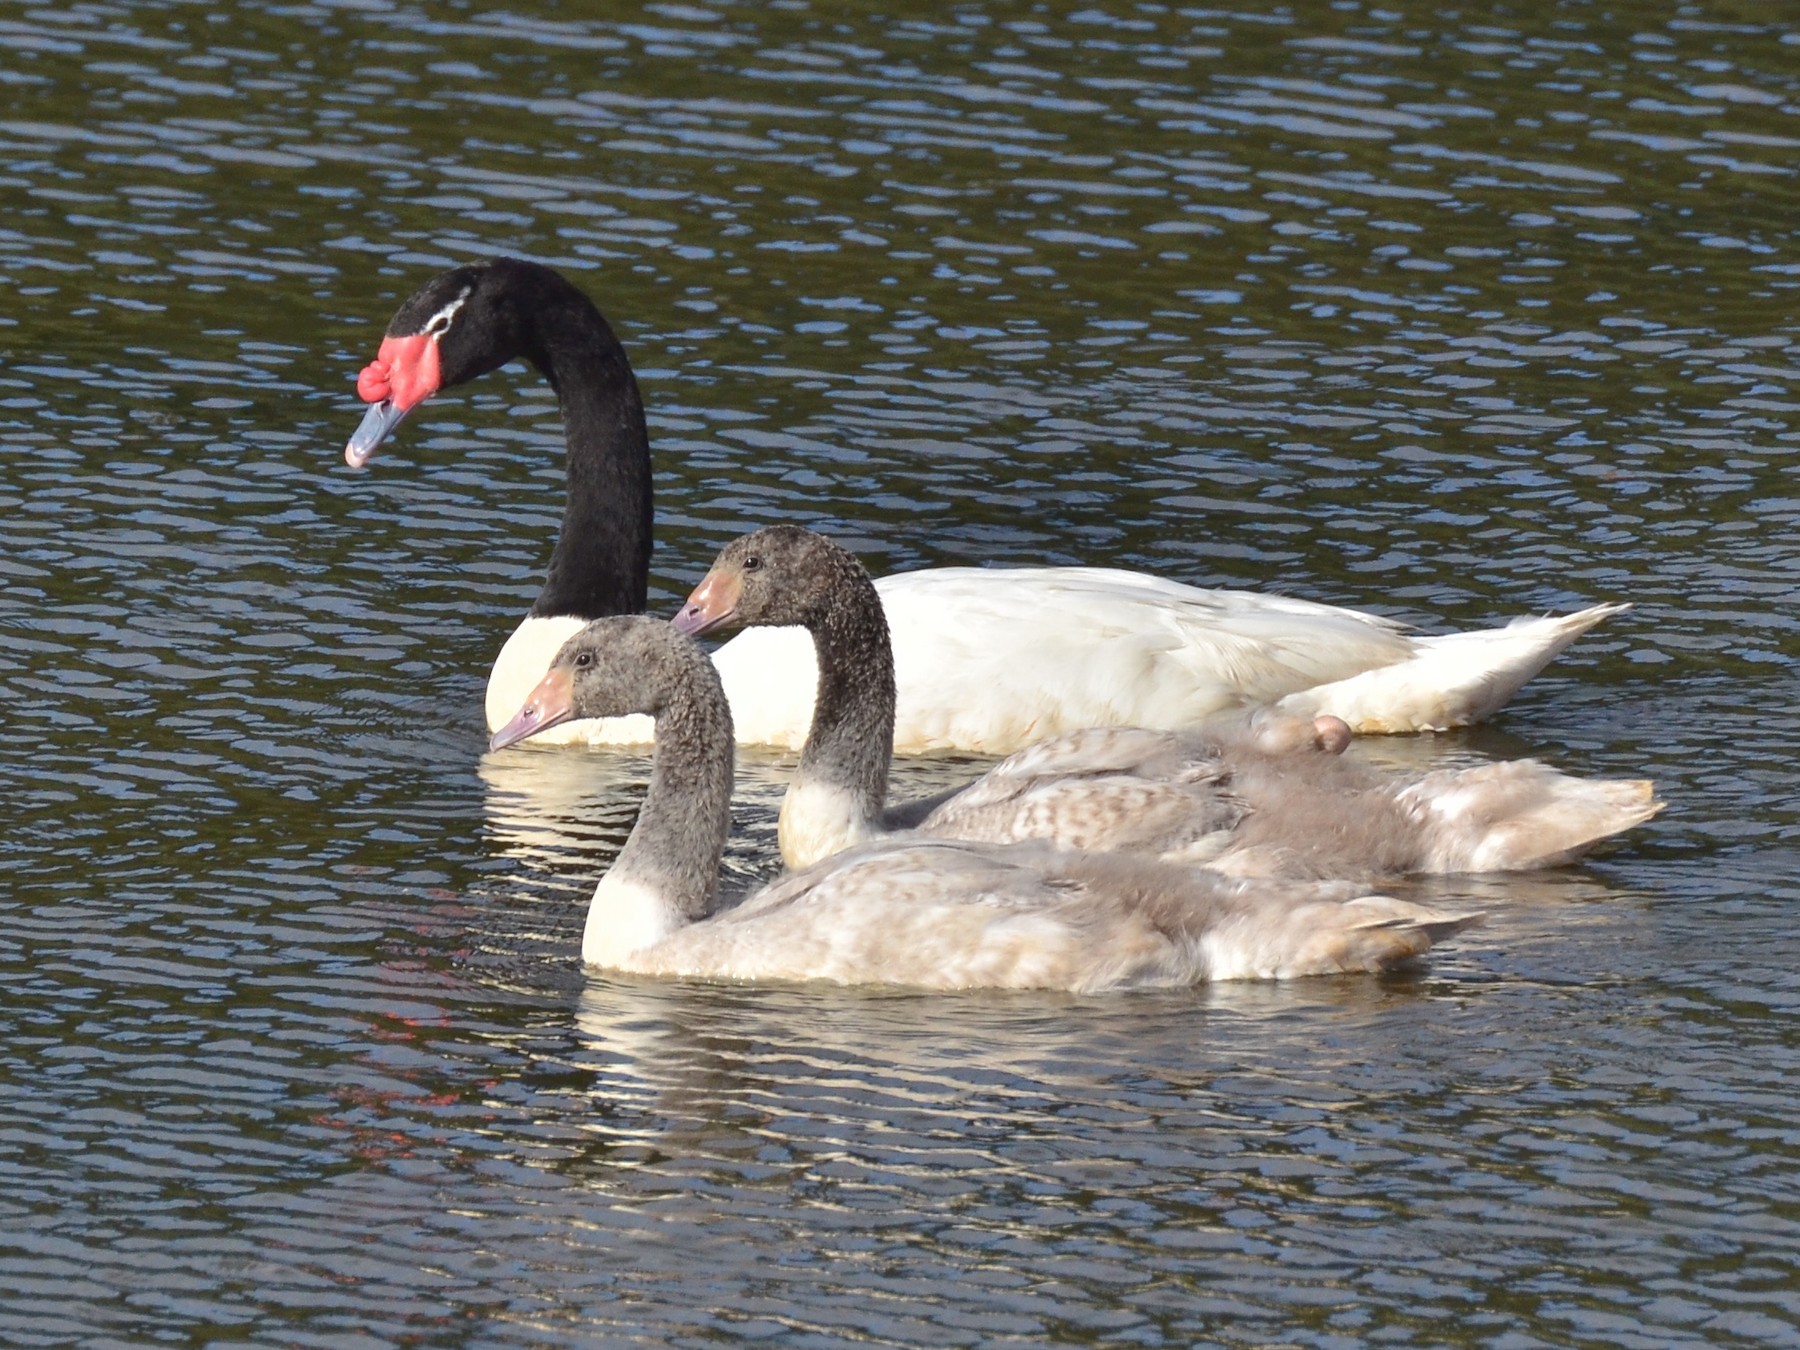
[(987, 659)]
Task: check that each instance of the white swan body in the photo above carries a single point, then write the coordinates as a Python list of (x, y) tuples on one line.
[(936, 914), (993, 659)]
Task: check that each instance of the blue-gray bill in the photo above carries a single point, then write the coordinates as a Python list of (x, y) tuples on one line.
[(377, 425)]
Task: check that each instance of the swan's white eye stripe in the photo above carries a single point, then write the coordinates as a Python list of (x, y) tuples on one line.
[(437, 323)]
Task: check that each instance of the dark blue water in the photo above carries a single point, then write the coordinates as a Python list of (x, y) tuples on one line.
[(1447, 316)]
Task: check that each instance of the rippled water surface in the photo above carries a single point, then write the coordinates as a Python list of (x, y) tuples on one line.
[(1444, 315)]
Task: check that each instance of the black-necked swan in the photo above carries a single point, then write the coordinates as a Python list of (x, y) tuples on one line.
[(1261, 794), (987, 659), (939, 914)]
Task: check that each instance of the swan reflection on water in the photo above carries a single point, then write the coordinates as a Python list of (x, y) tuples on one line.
[(562, 812), (565, 811), (687, 1049), (963, 1090)]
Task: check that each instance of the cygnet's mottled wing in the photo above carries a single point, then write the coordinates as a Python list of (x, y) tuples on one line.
[(1115, 788), (948, 914), (937, 913), (1114, 812), (1095, 750), (1332, 816)]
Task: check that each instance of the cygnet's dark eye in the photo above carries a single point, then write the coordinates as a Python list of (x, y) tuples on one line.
[(752, 563), (583, 660)]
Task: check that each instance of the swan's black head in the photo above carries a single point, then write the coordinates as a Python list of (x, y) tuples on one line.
[(460, 324), (779, 575)]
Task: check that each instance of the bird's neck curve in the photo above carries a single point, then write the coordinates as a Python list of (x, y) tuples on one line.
[(667, 874), (601, 565), (844, 765)]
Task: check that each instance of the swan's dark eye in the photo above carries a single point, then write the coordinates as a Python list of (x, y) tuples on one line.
[(583, 660), (752, 563)]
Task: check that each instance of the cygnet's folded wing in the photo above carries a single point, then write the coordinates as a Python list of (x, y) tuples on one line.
[(950, 915)]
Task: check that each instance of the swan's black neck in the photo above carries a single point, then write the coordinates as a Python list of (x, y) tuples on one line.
[(601, 565)]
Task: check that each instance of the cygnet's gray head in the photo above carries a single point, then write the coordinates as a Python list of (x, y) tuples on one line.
[(781, 575), (627, 664)]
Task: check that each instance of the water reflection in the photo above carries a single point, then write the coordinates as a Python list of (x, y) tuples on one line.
[(549, 809), (566, 812), (702, 1068)]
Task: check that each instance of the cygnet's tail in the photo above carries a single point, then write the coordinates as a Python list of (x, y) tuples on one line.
[(1520, 814), (1369, 933), (1452, 680)]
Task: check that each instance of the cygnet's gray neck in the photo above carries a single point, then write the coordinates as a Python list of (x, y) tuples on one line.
[(852, 736), (667, 875)]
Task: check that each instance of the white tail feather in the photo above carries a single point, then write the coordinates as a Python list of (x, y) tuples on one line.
[(1455, 679)]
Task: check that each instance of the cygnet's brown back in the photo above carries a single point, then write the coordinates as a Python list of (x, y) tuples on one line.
[(1110, 788), (1271, 795)]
